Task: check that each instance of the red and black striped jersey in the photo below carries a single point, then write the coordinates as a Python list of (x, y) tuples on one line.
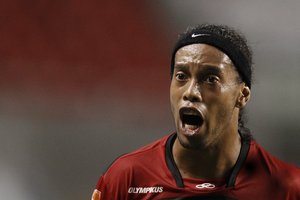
[(151, 173)]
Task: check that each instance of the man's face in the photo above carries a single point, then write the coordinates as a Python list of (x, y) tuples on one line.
[(204, 91)]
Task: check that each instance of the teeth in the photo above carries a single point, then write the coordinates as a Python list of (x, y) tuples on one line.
[(191, 127), (191, 112), (194, 114)]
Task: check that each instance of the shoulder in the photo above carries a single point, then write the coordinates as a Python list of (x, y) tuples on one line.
[(130, 167), (286, 176), (273, 163), (138, 159), (143, 153)]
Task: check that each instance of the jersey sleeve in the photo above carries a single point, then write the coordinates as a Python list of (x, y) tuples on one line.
[(114, 184), (292, 183)]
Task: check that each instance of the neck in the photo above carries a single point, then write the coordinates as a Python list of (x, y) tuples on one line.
[(211, 163)]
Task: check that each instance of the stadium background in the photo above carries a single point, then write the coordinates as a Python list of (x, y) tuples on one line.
[(82, 82)]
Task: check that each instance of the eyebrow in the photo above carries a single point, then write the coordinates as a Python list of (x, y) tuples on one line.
[(204, 68), (211, 69), (180, 67)]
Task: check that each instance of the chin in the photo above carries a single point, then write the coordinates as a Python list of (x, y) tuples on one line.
[(192, 143)]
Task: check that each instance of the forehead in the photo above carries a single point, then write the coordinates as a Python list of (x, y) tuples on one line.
[(201, 54)]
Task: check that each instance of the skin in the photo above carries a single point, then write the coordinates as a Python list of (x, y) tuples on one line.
[(205, 80)]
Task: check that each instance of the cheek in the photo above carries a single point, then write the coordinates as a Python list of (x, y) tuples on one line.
[(220, 104), (172, 99), (175, 98)]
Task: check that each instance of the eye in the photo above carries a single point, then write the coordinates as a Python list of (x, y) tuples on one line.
[(180, 76), (211, 79)]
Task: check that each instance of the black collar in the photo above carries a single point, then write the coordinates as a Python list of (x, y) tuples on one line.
[(230, 181)]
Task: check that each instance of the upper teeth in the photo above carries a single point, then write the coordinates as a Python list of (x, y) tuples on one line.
[(191, 113)]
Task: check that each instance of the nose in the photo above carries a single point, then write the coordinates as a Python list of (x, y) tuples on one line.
[(192, 92)]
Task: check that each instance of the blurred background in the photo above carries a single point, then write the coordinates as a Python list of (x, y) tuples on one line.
[(83, 82)]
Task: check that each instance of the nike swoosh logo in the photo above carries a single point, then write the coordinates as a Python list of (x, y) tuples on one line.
[(201, 34)]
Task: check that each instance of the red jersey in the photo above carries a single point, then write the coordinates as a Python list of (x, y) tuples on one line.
[(151, 173)]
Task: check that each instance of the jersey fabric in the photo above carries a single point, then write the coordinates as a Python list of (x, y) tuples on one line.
[(151, 173)]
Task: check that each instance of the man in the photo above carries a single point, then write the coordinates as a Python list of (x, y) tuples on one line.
[(211, 155)]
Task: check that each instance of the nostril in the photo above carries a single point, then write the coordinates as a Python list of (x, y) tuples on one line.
[(195, 99), (185, 98)]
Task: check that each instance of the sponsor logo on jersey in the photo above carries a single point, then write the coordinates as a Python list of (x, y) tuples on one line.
[(205, 186), (145, 190)]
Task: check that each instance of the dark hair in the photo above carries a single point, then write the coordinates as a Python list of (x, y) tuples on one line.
[(229, 41)]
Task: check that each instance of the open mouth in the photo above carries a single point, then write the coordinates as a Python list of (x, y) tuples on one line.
[(191, 117)]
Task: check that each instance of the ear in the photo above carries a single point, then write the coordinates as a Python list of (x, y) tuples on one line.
[(244, 96)]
